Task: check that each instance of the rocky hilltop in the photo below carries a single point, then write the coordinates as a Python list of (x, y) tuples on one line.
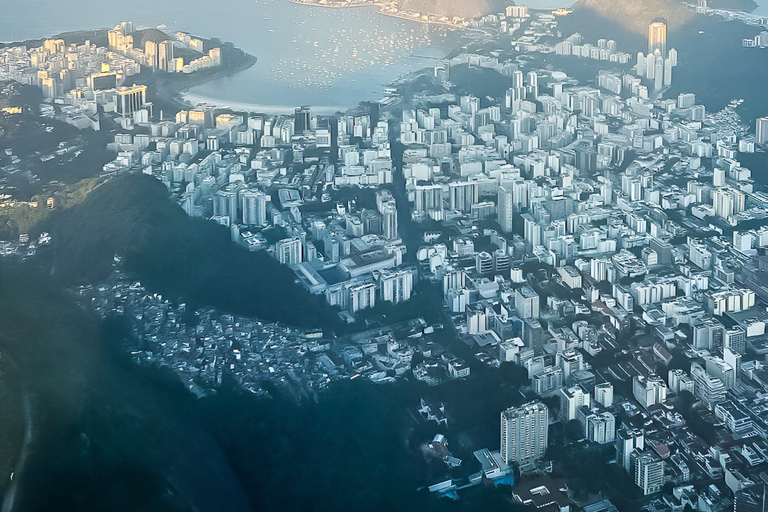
[(635, 15)]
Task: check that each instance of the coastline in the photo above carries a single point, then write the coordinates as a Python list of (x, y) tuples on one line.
[(167, 91), (380, 9), (170, 92), (180, 97), (187, 98)]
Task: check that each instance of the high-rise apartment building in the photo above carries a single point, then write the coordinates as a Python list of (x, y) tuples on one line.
[(396, 286), (604, 394), (657, 38), (289, 251), (152, 52), (505, 208), (626, 443), (600, 427), (710, 390), (165, 55), (462, 195), (728, 201), (571, 399), (301, 119), (362, 297), (389, 220), (648, 472), (524, 433), (254, 207), (649, 390), (131, 99), (761, 130), (526, 302), (428, 198)]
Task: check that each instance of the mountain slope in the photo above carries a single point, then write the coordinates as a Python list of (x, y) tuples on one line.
[(636, 15), (104, 434), (187, 259)]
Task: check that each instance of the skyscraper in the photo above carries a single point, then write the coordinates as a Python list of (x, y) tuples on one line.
[(302, 117), (648, 472), (254, 207), (650, 66), (668, 65), (761, 130), (389, 220), (362, 297), (650, 390), (289, 251), (626, 443), (131, 99), (505, 208), (165, 55), (396, 286), (657, 37), (152, 53), (524, 433), (571, 399)]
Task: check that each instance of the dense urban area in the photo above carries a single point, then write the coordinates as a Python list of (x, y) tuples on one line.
[(602, 232)]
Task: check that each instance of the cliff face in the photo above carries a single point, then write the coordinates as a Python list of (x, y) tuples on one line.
[(636, 15), (451, 8)]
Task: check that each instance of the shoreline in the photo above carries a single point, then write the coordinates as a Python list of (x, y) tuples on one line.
[(380, 9), (173, 94), (182, 98), (198, 99)]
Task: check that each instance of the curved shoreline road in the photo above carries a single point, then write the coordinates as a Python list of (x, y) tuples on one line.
[(405, 15)]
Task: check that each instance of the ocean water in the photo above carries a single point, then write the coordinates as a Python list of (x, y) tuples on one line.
[(329, 58)]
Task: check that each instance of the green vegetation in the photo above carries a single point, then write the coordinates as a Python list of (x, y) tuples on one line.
[(52, 153), (23, 218), (350, 451), (188, 259), (106, 435), (480, 82), (588, 468), (113, 436), (426, 302), (685, 404)]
